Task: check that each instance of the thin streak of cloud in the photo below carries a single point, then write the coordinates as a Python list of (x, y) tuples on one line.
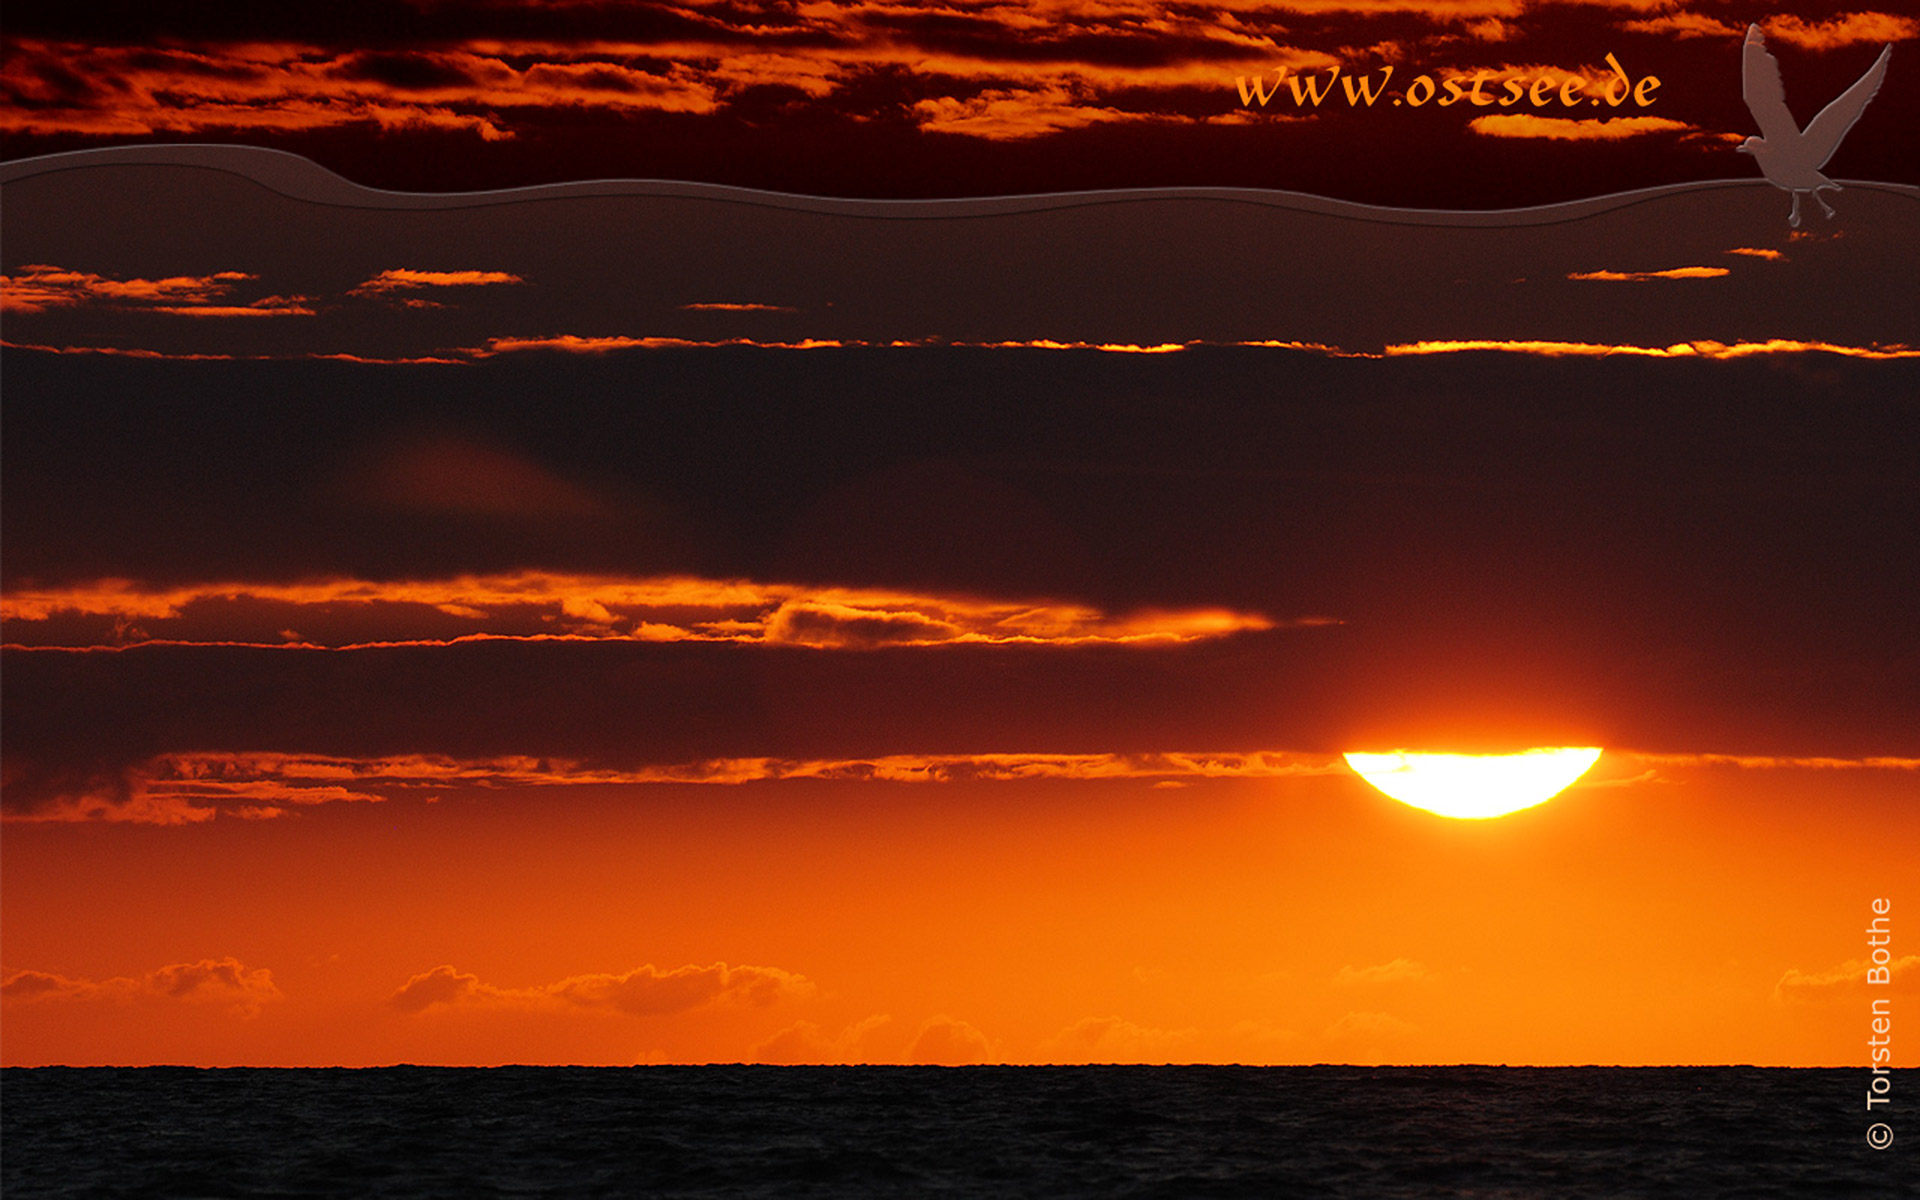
[(576, 344), (1638, 276), (272, 306), (1807, 987), (189, 356), (405, 279), (1565, 129), (1700, 349), (132, 352), (1757, 762), (401, 361), (189, 788), (539, 605), (1104, 347)]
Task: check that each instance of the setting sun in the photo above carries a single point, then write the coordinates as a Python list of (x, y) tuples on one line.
[(1475, 786)]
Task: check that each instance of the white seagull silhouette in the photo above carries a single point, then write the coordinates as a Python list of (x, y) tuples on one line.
[(1790, 158)]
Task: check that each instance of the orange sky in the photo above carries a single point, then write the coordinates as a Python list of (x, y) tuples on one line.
[(1661, 912)]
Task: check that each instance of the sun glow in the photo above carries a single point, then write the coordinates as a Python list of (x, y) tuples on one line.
[(1475, 786)]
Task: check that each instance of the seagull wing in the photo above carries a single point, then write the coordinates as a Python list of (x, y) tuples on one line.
[(1825, 131), (1766, 98)]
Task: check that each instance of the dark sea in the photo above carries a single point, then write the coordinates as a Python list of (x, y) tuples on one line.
[(930, 1131)]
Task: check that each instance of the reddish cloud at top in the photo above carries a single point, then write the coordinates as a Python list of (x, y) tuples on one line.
[(610, 89)]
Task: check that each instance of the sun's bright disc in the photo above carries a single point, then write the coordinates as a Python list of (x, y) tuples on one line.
[(1475, 785)]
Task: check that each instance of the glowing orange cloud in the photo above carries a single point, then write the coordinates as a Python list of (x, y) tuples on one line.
[(402, 279), (1104, 347), (1017, 114), (1564, 129), (1845, 30), (643, 991), (1757, 762), (1683, 25), (270, 306), (417, 360), (575, 344), (543, 605), (40, 287), (1756, 252), (1670, 273), (127, 352), (221, 981), (1492, 29), (716, 306), (1701, 349), (1314, 347), (177, 356)]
